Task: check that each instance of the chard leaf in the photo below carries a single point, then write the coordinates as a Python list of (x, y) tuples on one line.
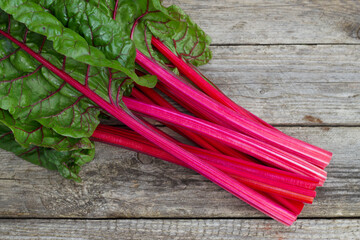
[(99, 30), (67, 163), (171, 25), (182, 36), (104, 44), (33, 133), (31, 92)]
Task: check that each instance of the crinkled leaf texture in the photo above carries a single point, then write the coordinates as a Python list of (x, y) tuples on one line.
[(67, 163), (30, 92), (171, 25), (33, 133), (92, 19), (89, 36)]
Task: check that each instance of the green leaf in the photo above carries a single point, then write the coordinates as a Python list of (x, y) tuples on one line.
[(67, 163), (54, 104), (33, 133), (147, 81), (99, 30), (171, 25), (102, 43), (181, 35)]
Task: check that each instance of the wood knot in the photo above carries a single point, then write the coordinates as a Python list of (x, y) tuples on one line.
[(312, 119)]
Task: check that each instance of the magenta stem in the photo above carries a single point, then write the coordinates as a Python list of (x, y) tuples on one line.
[(241, 142), (265, 184), (309, 152), (243, 192)]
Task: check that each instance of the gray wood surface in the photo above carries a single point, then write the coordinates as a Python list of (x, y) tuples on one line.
[(276, 22), (295, 84), (293, 63), (192, 229)]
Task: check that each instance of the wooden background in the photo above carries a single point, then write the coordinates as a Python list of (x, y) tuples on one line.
[(294, 64)]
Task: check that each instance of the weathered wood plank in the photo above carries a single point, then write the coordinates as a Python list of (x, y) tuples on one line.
[(291, 84), (178, 229), (118, 183), (276, 22)]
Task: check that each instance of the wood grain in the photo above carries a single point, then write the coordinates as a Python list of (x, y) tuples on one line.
[(291, 84), (161, 229), (119, 183), (276, 22)]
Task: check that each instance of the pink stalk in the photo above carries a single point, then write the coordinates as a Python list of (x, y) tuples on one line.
[(185, 92), (294, 206), (206, 116), (241, 142), (188, 134), (137, 94), (203, 83), (243, 192), (273, 174), (251, 180), (201, 141), (239, 164), (195, 110)]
